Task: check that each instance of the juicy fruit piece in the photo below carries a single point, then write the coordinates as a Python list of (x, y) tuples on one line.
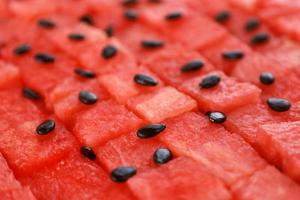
[(105, 121), (228, 44), (225, 155), (165, 103), (227, 95), (128, 150), (9, 75), (266, 184), (167, 63), (74, 178), (93, 59), (181, 178), (10, 188), (24, 149), (282, 142), (121, 85)]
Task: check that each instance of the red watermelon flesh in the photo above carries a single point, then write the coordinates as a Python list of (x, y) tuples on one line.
[(227, 95), (25, 150), (133, 36), (121, 85), (181, 178), (229, 44), (92, 59), (105, 121), (165, 103), (167, 63), (60, 37), (9, 75), (282, 142), (211, 6), (74, 177), (266, 184), (65, 98), (10, 188), (224, 154), (129, 150)]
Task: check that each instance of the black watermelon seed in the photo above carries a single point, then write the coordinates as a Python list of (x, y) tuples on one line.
[(266, 78), (162, 156), (192, 66), (44, 58), (152, 44), (278, 104), (46, 23), (31, 94), (122, 174), (252, 24), (210, 81), (150, 130), (233, 55), (131, 15), (222, 16), (109, 51), (84, 73), (109, 30), (76, 36), (129, 2), (22, 49), (174, 15), (45, 127), (260, 38), (87, 19), (87, 97), (145, 80), (88, 152), (217, 117)]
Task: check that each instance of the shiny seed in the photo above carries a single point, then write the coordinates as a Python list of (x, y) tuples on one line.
[(145, 80), (162, 156), (279, 104), (88, 152), (122, 174), (150, 130), (87, 97), (210, 81), (45, 127), (217, 117)]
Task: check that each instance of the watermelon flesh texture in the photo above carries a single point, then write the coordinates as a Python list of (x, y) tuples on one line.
[(181, 178), (129, 150), (283, 144), (10, 188), (165, 103), (10, 75), (105, 121), (24, 149), (121, 85), (225, 155), (75, 177), (227, 95), (168, 61), (266, 184)]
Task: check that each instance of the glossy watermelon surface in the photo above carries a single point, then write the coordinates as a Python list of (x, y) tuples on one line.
[(149, 100)]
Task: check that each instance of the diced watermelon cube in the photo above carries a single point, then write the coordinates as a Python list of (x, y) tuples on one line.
[(129, 150), (121, 85), (92, 58), (60, 37), (230, 44), (9, 75), (167, 63), (10, 188), (65, 97), (224, 154), (25, 150), (282, 142), (75, 178), (106, 120), (165, 103), (181, 178), (266, 184), (227, 95)]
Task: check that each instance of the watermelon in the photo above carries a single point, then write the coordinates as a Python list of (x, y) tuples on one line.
[(188, 181), (149, 99), (227, 95), (10, 187)]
